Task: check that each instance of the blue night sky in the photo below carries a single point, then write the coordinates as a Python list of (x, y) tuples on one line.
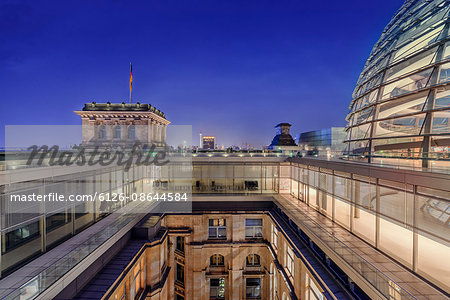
[(233, 68)]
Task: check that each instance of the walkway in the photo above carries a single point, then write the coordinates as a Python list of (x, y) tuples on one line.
[(370, 263)]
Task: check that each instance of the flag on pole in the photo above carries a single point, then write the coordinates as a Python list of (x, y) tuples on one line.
[(131, 80), (131, 77)]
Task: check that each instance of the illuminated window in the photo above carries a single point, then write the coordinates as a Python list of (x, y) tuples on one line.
[(217, 288), (217, 260), (253, 260), (217, 229)]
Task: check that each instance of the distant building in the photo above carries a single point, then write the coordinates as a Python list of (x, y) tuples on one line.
[(209, 143), (283, 140), (122, 124), (200, 145), (330, 139)]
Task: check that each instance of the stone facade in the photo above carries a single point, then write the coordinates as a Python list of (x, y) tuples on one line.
[(122, 125), (279, 278)]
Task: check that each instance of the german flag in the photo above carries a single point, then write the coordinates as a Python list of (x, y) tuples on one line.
[(131, 77)]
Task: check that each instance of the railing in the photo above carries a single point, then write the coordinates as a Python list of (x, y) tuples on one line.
[(385, 285), (47, 277), (13, 163), (240, 154), (437, 162)]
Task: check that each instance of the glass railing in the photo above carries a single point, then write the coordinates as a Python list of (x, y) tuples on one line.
[(47, 277), (15, 164), (437, 162), (385, 285)]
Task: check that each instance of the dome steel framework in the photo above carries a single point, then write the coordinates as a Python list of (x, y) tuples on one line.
[(401, 103)]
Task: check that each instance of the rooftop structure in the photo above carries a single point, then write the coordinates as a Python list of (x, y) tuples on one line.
[(122, 125), (283, 138)]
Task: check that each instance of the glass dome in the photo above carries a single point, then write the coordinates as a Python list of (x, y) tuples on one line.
[(401, 103)]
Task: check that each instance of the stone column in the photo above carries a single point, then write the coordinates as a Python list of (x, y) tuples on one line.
[(164, 134)]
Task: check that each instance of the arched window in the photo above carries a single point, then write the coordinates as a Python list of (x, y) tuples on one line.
[(102, 132), (253, 260), (216, 260), (132, 132), (117, 132)]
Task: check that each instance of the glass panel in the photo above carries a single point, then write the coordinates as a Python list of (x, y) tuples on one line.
[(20, 244), (417, 44), (412, 64), (364, 224), (361, 132), (447, 50), (433, 216), (400, 126), (442, 99), (393, 203), (313, 197), (441, 122), (363, 116), (222, 232), (397, 241), (294, 188), (342, 212), (358, 147), (258, 232), (326, 203), (212, 232), (367, 99), (444, 75), (342, 187), (59, 227), (409, 84), (402, 106), (432, 262), (364, 194), (252, 171)]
